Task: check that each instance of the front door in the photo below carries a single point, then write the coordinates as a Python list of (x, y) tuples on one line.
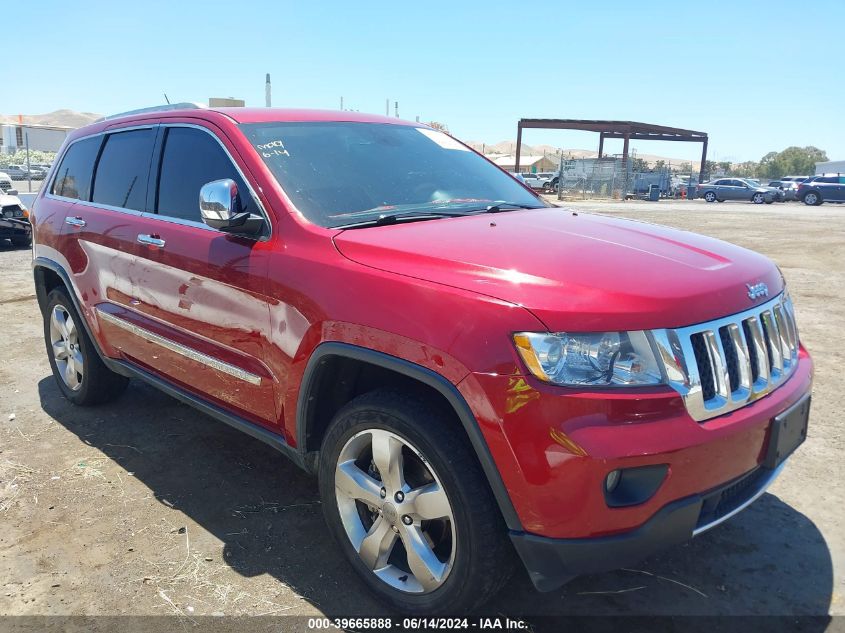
[(200, 293)]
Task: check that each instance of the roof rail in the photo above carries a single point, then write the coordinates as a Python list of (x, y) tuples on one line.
[(187, 105)]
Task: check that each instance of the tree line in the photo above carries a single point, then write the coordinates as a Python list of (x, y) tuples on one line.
[(793, 161)]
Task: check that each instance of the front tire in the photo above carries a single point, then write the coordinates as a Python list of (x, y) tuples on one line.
[(22, 242), (406, 500), (758, 198), (77, 367)]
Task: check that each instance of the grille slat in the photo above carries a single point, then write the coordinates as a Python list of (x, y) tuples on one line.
[(737, 359), (731, 357)]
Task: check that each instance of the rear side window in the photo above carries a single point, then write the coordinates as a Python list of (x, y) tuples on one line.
[(192, 158), (73, 178), (123, 169)]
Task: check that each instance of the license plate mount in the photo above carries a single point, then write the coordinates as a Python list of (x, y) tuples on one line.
[(788, 432)]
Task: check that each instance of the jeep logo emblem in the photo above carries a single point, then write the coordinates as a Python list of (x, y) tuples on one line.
[(757, 290)]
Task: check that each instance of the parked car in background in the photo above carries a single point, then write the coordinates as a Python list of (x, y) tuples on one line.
[(737, 189), (779, 196), (819, 189), (798, 179), (545, 181), (518, 176), (5, 182), (788, 187), (14, 220), (20, 172)]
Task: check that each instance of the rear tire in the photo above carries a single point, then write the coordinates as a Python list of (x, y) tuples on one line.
[(710, 196), (82, 376), (812, 199), (473, 557)]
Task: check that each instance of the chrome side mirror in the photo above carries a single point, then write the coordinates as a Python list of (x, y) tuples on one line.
[(220, 208)]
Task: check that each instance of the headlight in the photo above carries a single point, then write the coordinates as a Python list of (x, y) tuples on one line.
[(620, 359)]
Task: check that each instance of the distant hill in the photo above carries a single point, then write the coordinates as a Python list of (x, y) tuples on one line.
[(509, 147), (66, 118)]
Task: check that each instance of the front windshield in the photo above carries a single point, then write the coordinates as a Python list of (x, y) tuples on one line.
[(340, 173)]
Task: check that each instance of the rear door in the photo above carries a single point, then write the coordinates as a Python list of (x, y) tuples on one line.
[(839, 190), (736, 190), (200, 303), (101, 184)]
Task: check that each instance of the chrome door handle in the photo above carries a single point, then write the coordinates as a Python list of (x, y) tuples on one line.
[(75, 221), (151, 240)]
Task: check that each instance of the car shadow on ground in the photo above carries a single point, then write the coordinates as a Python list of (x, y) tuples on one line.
[(769, 560)]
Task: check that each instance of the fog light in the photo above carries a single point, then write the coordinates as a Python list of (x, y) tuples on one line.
[(633, 486), (612, 480)]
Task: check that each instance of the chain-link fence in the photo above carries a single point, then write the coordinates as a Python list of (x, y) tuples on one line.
[(607, 177), (613, 178)]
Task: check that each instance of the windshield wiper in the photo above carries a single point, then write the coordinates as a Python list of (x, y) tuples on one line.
[(393, 218), (502, 206)]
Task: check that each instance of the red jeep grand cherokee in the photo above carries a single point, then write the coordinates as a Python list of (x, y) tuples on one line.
[(469, 372)]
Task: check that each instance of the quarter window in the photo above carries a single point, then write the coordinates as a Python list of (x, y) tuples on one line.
[(191, 159), (73, 178), (123, 169)]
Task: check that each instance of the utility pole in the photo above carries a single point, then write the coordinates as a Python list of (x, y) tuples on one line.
[(341, 103), (28, 171), (396, 108), (387, 107), (267, 100)]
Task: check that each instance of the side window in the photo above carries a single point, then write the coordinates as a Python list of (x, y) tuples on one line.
[(73, 177), (123, 168), (190, 159)]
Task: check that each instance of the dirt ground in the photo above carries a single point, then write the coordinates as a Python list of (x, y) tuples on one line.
[(145, 506)]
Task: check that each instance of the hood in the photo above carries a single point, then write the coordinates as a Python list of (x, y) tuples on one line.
[(574, 271), (7, 200)]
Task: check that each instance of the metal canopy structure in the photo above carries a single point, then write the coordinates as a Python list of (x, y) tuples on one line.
[(626, 130)]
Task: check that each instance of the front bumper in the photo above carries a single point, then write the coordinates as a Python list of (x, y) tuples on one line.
[(552, 562), (554, 448), (10, 227)]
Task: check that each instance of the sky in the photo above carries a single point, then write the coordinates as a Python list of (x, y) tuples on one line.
[(756, 76)]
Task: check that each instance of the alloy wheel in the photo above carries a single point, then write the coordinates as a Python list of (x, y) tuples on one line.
[(395, 511), (64, 338), (810, 199)]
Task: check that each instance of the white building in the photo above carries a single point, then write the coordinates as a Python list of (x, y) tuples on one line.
[(831, 167), (42, 138), (532, 164)]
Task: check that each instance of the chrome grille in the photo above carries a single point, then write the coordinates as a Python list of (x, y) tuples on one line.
[(722, 365)]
